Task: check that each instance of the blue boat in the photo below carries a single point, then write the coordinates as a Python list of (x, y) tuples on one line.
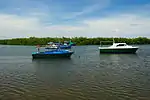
[(58, 53)]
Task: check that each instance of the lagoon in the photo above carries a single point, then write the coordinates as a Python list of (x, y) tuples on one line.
[(88, 75)]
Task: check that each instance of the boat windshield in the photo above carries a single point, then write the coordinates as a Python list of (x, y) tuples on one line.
[(121, 45)]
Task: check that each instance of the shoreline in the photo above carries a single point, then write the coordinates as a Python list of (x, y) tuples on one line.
[(33, 41)]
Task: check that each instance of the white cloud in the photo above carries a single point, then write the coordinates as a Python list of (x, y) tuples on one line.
[(98, 5), (13, 26), (128, 26)]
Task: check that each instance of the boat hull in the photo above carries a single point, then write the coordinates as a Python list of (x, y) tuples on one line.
[(43, 55), (119, 50)]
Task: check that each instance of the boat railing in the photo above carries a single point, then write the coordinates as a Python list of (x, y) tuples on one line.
[(105, 41)]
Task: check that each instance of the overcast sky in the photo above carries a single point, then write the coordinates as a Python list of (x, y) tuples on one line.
[(69, 18)]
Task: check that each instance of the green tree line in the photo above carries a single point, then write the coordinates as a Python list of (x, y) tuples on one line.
[(76, 40)]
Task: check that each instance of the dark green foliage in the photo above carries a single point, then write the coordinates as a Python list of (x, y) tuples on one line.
[(77, 40)]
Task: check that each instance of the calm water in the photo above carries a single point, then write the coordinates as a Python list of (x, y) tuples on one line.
[(86, 76)]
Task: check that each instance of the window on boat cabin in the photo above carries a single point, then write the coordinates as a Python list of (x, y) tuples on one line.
[(121, 45)]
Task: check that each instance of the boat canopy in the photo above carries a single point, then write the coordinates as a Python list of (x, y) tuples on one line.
[(56, 43), (50, 43)]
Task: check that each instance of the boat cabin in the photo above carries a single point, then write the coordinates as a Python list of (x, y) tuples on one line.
[(119, 44)]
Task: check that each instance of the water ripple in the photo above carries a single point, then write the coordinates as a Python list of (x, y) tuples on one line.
[(90, 77)]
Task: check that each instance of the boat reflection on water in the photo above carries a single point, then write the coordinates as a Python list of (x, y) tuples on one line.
[(120, 63), (49, 64), (51, 60), (53, 72), (118, 57)]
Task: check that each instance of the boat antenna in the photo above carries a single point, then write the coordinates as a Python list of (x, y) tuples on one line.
[(116, 30), (113, 40), (100, 44), (59, 45)]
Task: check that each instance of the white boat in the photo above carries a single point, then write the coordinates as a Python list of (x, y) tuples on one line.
[(118, 48)]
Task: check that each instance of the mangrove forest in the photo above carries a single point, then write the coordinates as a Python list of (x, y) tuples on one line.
[(76, 40)]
